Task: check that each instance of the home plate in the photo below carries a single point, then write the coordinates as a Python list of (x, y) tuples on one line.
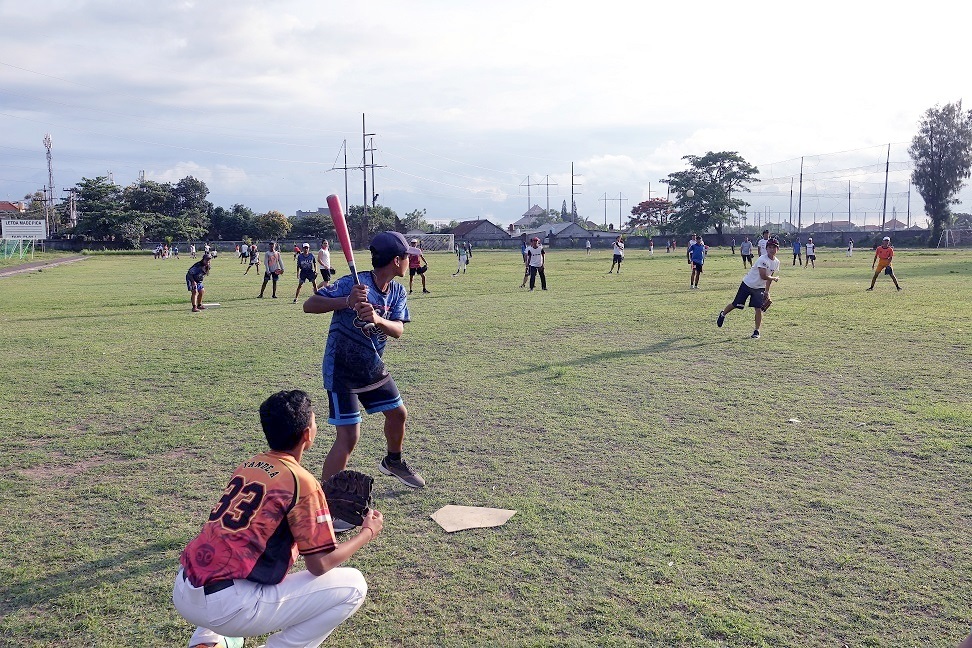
[(216, 305), (458, 518)]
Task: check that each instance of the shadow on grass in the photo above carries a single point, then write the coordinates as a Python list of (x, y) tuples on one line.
[(91, 576), (620, 354)]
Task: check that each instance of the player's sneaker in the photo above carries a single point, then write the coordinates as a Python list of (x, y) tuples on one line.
[(195, 310), (226, 642), (721, 319), (401, 471), (755, 334), (340, 526)]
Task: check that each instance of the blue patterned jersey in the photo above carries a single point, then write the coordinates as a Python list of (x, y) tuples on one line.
[(352, 357)]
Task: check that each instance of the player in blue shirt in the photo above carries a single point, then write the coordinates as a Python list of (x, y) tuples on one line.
[(363, 316), (695, 255)]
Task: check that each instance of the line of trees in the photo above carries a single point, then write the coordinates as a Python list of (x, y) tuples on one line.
[(159, 211)]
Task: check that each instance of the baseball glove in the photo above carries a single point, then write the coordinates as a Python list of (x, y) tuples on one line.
[(348, 495), (766, 304)]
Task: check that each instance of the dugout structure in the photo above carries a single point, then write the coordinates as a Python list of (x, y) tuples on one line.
[(437, 242)]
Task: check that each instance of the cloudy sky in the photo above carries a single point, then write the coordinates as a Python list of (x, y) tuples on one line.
[(477, 109)]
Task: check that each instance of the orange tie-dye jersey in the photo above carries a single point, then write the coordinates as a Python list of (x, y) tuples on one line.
[(885, 253), (271, 510)]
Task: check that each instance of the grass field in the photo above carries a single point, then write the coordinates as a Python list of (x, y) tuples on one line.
[(663, 496)]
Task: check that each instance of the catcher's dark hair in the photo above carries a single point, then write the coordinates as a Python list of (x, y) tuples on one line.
[(284, 416)]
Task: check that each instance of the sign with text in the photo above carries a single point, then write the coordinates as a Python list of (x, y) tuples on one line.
[(12, 229)]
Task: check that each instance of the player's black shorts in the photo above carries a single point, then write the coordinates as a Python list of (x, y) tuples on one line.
[(811, 257), (754, 295), (307, 275), (420, 270), (326, 274), (617, 259), (344, 408), (697, 267)]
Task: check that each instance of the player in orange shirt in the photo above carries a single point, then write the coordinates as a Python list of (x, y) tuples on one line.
[(882, 257), (234, 580)]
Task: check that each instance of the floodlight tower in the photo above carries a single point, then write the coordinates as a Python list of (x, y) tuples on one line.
[(49, 198)]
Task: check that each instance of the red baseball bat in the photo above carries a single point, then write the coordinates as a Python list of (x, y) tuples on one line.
[(341, 227)]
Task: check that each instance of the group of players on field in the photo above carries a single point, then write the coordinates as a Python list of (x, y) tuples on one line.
[(234, 579)]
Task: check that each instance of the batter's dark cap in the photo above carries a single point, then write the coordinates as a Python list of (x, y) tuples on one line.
[(386, 245)]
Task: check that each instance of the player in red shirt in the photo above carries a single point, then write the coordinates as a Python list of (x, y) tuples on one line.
[(234, 579), (882, 257)]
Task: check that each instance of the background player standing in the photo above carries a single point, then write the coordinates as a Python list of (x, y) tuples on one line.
[(354, 372), (811, 254), (417, 265), (234, 580), (536, 258), (305, 270), (324, 262), (882, 257)]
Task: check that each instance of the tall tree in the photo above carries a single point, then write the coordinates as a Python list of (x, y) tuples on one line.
[(230, 224), (272, 225), (716, 179), (189, 197), (416, 219), (100, 209), (942, 153), (149, 197), (35, 206), (380, 218), (651, 213)]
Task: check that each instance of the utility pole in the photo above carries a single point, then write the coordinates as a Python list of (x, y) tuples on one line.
[(573, 202), (374, 193), (546, 183), (791, 202), (605, 198), (909, 204), (884, 207), (849, 204), (345, 168), (528, 185), (800, 203), (72, 205), (364, 174), (49, 192), (620, 199)]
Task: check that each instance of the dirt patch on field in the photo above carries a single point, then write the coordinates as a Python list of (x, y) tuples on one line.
[(38, 265)]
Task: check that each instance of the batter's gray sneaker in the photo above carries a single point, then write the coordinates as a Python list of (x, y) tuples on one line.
[(340, 526), (401, 471)]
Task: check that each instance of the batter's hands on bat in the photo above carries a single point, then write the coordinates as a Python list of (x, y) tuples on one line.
[(358, 295), (366, 312)]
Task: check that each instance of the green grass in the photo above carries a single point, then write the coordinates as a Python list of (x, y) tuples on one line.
[(663, 497)]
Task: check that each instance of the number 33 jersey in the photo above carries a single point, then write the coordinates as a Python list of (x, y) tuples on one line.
[(271, 510)]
